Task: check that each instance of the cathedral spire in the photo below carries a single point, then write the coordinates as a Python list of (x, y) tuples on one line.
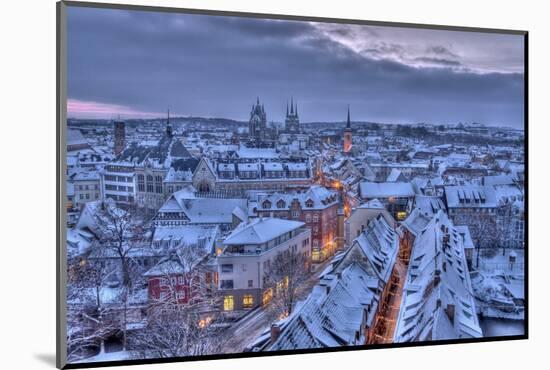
[(348, 124), (296, 108), (291, 105), (287, 108), (168, 126)]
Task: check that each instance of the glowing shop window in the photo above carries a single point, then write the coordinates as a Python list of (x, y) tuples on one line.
[(248, 301), (401, 215), (228, 303), (315, 255)]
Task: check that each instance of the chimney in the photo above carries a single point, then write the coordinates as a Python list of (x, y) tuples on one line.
[(275, 332), (444, 266), (437, 277), (450, 310)]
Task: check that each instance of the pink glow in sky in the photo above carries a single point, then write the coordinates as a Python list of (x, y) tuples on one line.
[(90, 109)]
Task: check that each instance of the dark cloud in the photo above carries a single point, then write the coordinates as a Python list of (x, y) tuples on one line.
[(438, 61), (441, 50), (216, 66)]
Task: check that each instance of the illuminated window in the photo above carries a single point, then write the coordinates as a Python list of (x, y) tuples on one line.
[(228, 303), (315, 256), (280, 286), (248, 301), (267, 296), (401, 215)]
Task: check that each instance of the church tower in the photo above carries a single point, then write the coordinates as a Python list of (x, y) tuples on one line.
[(347, 135), (120, 136), (257, 124), (292, 121), (169, 132)]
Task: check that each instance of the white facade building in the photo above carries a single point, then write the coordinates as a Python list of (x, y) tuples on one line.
[(248, 254)]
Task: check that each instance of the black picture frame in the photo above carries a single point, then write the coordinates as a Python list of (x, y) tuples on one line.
[(61, 113)]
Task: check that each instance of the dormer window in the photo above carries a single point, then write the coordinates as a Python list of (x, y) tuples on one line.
[(281, 204), (266, 204), (309, 203)]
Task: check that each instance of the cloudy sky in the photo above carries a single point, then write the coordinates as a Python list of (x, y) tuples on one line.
[(138, 64)]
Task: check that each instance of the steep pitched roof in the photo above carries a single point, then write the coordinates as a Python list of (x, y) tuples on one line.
[(438, 301), (331, 316)]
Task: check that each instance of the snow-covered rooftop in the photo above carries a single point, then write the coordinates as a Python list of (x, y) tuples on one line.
[(261, 230), (385, 189), (438, 301)]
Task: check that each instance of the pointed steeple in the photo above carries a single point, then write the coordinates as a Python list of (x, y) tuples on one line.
[(287, 108), (258, 100), (168, 126), (291, 106), (296, 109), (348, 124)]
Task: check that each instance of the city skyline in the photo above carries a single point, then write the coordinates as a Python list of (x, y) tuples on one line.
[(386, 74)]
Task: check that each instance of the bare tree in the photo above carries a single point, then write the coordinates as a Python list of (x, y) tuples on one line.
[(119, 235), (181, 325), (286, 274), (88, 323)]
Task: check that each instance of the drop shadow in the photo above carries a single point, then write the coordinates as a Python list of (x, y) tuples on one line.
[(46, 358)]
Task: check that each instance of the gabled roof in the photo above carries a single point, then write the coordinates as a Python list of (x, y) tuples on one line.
[(396, 176), (203, 210), (438, 301), (380, 244), (428, 204), (321, 197), (470, 196), (416, 221), (331, 316)]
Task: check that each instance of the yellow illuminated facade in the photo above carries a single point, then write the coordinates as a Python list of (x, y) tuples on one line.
[(248, 301), (228, 303), (267, 296)]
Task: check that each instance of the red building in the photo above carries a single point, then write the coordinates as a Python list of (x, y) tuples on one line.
[(317, 208), (172, 282)]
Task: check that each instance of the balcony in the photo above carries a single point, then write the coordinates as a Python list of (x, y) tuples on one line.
[(257, 250)]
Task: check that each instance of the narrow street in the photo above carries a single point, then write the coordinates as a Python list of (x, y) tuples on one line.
[(236, 337), (387, 319)]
